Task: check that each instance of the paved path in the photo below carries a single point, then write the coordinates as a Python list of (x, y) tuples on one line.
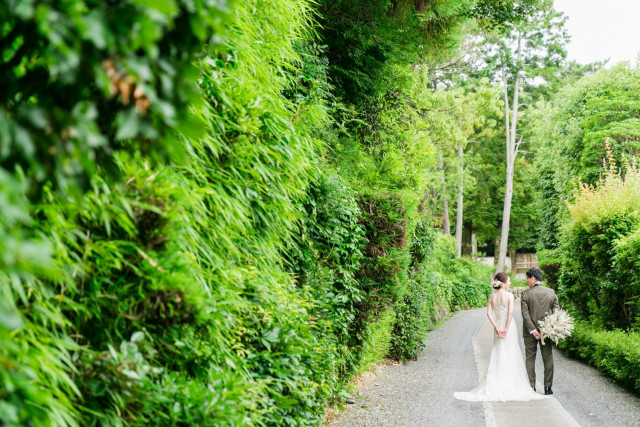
[(420, 393)]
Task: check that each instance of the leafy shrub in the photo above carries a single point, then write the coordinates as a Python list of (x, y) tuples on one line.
[(123, 377), (432, 295), (423, 242), (469, 293), (249, 179), (600, 288), (383, 273), (439, 295), (616, 353), (83, 83), (190, 253), (601, 105), (471, 279), (411, 322), (377, 340), (133, 273), (325, 259), (627, 262), (550, 263), (419, 297), (384, 268), (441, 258), (549, 256), (82, 80)]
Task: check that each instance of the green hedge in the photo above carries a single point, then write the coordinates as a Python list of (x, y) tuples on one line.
[(87, 85), (470, 279), (437, 286), (160, 295), (599, 251), (176, 247), (325, 257), (616, 353), (430, 297)]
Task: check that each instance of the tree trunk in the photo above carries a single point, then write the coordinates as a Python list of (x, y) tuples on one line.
[(467, 231), (446, 228), (506, 216), (496, 251), (511, 153), (514, 266), (460, 202), (474, 247)]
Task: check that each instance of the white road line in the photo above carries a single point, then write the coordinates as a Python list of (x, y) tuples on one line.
[(489, 416)]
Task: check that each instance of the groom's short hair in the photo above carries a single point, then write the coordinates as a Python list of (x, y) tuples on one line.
[(535, 272)]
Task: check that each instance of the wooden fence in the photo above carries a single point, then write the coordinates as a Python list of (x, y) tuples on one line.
[(526, 261)]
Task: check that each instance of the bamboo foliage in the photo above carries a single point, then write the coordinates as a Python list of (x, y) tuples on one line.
[(195, 230)]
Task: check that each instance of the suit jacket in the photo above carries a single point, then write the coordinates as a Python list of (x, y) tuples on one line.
[(535, 303)]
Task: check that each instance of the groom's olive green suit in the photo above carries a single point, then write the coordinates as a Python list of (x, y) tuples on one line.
[(536, 302)]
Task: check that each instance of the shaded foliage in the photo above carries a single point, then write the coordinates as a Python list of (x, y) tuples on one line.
[(82, 80)]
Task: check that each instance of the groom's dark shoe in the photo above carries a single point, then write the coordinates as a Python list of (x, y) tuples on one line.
[(547, 390), (534, 388)]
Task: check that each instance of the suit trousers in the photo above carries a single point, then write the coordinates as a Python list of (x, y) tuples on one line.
[(531, 348)]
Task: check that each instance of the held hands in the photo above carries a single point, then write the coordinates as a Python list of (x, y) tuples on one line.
[(536, 334), (501, 333)]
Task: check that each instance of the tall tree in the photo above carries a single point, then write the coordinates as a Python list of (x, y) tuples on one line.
[(460, 205), (446, 227), (522, 56), (460, 112), (477, 105)]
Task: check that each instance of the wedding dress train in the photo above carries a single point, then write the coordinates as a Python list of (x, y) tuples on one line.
[(506, 376)]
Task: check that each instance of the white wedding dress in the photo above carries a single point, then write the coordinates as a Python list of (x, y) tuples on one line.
[(506, 376)]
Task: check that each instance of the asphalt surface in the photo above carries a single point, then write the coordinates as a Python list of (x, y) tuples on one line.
[(420, 393)]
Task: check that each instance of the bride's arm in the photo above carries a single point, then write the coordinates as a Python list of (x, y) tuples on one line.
[(490, 315), (510, 315)]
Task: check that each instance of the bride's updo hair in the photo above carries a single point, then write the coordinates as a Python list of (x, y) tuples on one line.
[(499, 280)]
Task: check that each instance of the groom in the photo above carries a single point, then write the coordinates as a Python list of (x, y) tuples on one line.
[(536, 302)]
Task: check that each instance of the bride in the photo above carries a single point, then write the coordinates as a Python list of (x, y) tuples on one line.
[(506, 377)]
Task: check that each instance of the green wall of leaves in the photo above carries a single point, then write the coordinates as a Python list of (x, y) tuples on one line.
[(194, 229)]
